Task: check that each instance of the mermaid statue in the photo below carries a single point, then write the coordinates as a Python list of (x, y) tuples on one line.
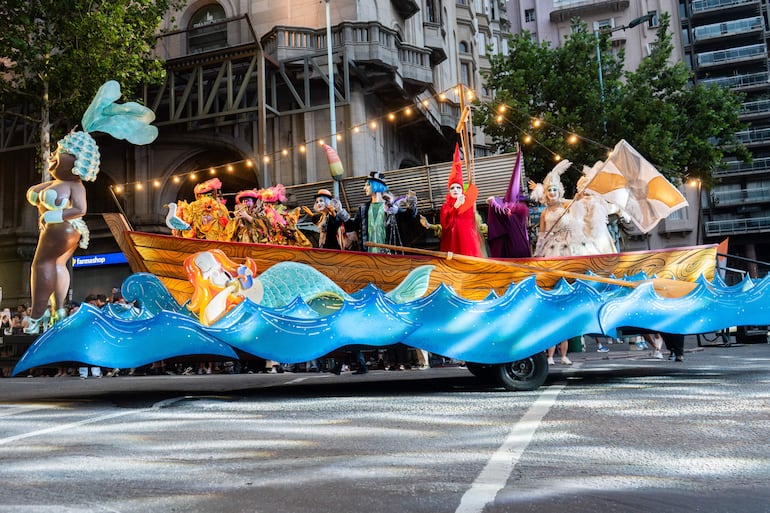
[(61, 202)]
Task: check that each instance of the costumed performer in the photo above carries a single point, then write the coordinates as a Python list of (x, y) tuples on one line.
[(598, 214), (281, 223), (377, 219), (330, 217), (248, 224), (507, 220), (61, 202), (459, 232), (554, 237), (207, 215)]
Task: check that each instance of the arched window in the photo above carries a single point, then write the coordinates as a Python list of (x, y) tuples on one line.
[(463, 47), (202, 35)]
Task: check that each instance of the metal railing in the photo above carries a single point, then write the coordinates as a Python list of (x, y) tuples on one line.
[(740, 196), (758, 165), (737, 226), (731, 54), (736, 81), (727, 28), (705, 5)]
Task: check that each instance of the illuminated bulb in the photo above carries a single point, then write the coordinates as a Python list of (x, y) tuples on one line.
[(572, 139), (320, 142), (193, 176), (499, 118), (156, 183), (284, 152), (392, 117), (139, 187), (425, 103), (213, 171), (457, 91), (266, 159), (442, 97), (249, 163), (527, 139), (536, 122), (339, 137), (470, 94), (302, 148), (373, 125), (408, 111), (557, 158), (502, 108), (118, 189), (356, 130), (176, 179)]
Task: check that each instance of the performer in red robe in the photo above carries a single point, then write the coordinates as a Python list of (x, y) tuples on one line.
[(458, 216)]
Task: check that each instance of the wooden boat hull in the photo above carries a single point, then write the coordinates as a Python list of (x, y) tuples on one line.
[(162, 255)]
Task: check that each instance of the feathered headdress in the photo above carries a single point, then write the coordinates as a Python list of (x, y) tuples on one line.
[(129, 121), (249, 193), (212, 185), (553, 178)]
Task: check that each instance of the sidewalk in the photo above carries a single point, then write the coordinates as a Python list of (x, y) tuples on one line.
[(620, 348)]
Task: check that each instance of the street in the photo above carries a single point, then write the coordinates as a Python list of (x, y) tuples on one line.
[(613, 432)]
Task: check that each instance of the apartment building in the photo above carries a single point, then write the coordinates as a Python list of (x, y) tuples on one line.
[(725, 43)]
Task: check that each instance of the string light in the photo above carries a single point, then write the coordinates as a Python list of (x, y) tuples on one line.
[(372, 124)]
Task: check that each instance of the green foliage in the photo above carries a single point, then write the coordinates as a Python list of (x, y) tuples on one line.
[(59, 53), (680, 128)]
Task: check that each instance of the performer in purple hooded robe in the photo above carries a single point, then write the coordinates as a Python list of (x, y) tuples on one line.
[(507, 220)]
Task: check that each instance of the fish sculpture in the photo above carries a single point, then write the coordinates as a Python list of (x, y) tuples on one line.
[(220, 284)]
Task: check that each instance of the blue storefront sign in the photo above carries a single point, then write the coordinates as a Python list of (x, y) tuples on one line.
[(98, 259)]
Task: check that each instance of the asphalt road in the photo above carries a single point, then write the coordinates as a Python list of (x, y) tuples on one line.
[(616, 432)]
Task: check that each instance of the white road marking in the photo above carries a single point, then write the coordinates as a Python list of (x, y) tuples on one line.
[(498, 469), (62, 427)]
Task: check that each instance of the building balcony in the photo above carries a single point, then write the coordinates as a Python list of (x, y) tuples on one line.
[(729, 198), (740, 82), (754, 110), (364, 42), (669, 226), (754, 136), (731, 28), (726, 227), (711, 6), (588, 8), (406, 8), (434, 40), (736, 167), (732, 55)]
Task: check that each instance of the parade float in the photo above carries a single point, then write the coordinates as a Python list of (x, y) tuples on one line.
[(190, 297)]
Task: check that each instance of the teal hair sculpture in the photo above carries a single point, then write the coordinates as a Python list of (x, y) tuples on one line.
[(129, 121)]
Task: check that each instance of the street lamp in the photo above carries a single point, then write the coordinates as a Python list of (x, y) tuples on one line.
[(597, 33)]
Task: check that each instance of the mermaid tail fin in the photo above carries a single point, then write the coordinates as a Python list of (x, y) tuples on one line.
[(415, 285)]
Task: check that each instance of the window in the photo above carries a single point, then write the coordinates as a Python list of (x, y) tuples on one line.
[(463, 47), (203, 35), (529, 15), (465, 74), (654, 22), (431, 12), (606, 24)]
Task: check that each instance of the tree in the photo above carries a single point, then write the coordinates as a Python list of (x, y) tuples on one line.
[(57, 54), (680, 127)]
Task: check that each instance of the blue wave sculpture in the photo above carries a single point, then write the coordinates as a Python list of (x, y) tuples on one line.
[(523, 321)]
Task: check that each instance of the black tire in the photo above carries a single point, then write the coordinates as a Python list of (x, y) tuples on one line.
[(483, 371), (523, 375)]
